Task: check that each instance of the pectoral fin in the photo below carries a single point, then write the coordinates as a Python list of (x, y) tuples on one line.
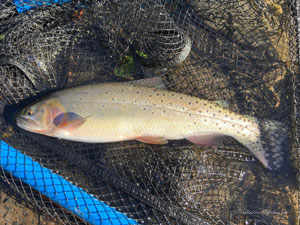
[(68, 120), (152, 140), (205, 139)]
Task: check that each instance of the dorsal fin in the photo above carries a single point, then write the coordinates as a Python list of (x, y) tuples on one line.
[(154, 82), (222, 103)]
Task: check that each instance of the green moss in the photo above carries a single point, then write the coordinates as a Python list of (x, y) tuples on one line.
[(128, 66), (142, 54)]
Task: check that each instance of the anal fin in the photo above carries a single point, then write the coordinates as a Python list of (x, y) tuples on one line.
[(207, 139), (152, 140)]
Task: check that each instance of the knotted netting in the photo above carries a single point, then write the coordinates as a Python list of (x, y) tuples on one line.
[(245, 52)]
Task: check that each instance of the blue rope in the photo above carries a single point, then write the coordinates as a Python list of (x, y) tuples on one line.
[(24, 5), (59, 190)]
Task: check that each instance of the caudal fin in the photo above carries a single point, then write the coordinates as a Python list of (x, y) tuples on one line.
[(273, 135)]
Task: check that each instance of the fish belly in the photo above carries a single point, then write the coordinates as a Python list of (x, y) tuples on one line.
[(118, 122)]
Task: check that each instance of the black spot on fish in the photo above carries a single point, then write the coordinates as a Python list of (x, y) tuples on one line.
[(150, 96), (190, 114), (197, 102), (164, 111), (170, 103), (163, 94), (204, 103), (172, 94), (190, 103), (181, 98), (122, 90), (106, 92), (210, 107), (161, 100), (137, 92), (157, 94)]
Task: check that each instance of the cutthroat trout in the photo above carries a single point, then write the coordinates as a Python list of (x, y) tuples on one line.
[(112, 112)]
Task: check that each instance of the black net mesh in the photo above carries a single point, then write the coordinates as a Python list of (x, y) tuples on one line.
[(243, 51)]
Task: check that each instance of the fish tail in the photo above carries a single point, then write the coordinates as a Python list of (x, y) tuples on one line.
[(273, 135)]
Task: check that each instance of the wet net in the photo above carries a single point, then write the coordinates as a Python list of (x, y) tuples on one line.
[(245, 52)]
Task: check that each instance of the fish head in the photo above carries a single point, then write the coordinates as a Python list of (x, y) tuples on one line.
[(39, 117)]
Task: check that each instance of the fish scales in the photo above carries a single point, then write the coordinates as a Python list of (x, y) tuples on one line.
[(149, 111), (113, 112)]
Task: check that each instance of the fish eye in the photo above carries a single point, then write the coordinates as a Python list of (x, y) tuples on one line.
[(28, 112)]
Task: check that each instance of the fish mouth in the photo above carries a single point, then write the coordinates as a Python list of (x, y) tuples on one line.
[(25, 123)]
